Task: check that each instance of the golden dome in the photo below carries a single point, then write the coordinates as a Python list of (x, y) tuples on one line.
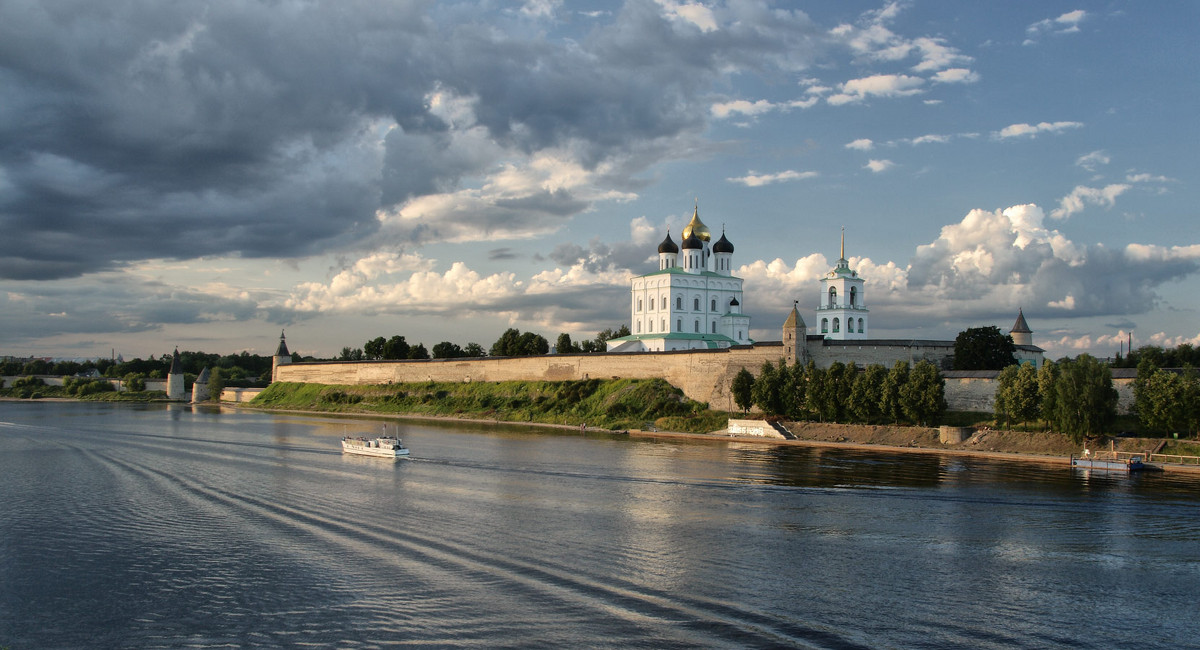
[(697, 227)]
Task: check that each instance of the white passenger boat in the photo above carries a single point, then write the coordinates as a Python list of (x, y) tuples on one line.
[(382, 447)]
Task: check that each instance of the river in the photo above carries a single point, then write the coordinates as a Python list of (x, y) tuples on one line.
[(171, 526)]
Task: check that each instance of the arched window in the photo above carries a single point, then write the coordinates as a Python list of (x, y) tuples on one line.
[(639, 327), (739, 335), (650, 325), (652, 304), (714, 304), (832, 297), (824, 325), (837, 324), (714, 327), (639, 304), (697, 325), (695, 304), (853, 296), (678, 302), (664, 302), (664, 324), (860, 326), (678, 324)]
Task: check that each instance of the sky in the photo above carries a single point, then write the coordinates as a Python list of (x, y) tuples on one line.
[(203, 175)]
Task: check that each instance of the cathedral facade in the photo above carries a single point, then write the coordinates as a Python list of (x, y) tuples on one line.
[(692, 302)]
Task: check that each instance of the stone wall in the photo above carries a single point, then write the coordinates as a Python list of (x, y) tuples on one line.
[(702, 375)]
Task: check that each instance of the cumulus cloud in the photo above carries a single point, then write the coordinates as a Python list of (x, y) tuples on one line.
[(1083, 196), (880, 85), (757, 180), (956, 76), (878, 166), (861, 144), (1067, 23), (1033, 130), (1009, 258), (723, 110), (872, 39)]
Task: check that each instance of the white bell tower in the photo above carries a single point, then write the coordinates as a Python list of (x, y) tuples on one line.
[(842, 313)]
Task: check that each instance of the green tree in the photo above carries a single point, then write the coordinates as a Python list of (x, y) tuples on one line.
[(1017, 397), (1047, 378), (447, 350), (924, 394), (373, 349), (135, 382), (819, 396), (1086, 401), (983, 348), (351, 354), (742, 389), (797, 385), (564, 345), (1146, 367), (891, 402), (396, 348), (767, 390), (216, 383), (474, 350), (866, 398), (512, 343), (418, 351)]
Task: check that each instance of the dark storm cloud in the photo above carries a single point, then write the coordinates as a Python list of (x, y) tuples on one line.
[(109, 305), (135, 129)]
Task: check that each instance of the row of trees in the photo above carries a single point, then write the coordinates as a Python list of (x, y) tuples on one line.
[(1166, 401), (1075, 397), (844, 393), (512, 343), (1178, 357)]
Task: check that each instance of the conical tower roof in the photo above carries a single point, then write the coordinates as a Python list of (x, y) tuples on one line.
[(794, 320), (282, 350), (1020, 327), (203, 378), (176, 365)]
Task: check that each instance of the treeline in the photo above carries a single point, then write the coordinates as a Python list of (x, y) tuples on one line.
[(236, 369), (842, 393), (1178, 357), (1075, 397), (512, 343), (1166, 401)]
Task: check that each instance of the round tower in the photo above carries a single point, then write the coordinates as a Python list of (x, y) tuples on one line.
[(1020, 332), (175, 380), (282, 357), (200, 392)]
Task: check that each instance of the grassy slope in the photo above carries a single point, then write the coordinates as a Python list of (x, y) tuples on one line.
[(611, 404)]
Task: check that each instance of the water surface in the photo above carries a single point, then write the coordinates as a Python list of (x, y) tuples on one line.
[(173, 526)]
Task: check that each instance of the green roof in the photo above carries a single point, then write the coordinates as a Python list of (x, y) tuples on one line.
[(678, 270)]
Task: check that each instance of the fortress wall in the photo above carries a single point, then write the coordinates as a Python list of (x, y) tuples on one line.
[(971, 394), (864, 353), (702, 375)]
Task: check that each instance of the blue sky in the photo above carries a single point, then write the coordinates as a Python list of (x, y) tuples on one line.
[(203, 175)]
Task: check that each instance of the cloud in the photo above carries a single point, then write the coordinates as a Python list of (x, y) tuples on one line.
[(758, 180), (1032, 130), (1007, 258), (861, 144), (137, 131), (880, 85), (724, 110), (878, 166), (1082, 196), (872, 39), (1092, 161), (956, 76), (1067, 23)]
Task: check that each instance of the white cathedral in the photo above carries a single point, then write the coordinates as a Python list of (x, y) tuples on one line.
[(690, 303)]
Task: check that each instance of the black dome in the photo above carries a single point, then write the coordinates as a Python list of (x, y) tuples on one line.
[(722, 245), (692, 242), (668, 246)]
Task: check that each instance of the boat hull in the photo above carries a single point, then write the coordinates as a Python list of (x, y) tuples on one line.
[(1132, 465), (373, 448)]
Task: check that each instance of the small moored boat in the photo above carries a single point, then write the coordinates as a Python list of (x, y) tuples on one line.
[(381, 447), (1110, 461)]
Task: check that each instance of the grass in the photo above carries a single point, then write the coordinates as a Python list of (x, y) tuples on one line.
[(617, 404)]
